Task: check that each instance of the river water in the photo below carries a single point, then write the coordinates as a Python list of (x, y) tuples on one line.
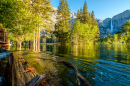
[(101, 65)]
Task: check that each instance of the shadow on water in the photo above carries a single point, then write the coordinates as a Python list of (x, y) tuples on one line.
[(101, 65)]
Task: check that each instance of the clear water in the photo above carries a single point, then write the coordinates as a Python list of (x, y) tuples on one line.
[(101, 65)]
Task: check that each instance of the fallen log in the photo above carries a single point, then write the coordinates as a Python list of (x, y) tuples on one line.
[(33, 81), (36, 81), (78, 75)]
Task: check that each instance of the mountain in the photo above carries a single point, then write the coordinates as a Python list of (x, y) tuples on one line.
[(53, 18), (107, 26), (72, 16), (120, 19), (114, 24)]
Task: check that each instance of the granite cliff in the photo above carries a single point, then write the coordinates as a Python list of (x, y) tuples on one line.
[(105, 26), (72, 16), (116, 21)]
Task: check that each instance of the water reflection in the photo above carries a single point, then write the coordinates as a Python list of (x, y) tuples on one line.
[(102, 65), (118, 53)]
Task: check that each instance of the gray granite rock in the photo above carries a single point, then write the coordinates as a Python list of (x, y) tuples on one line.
[(117, 22)]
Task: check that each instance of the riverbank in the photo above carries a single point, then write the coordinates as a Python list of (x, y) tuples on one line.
[(27, 65), (99, 64), (6, 61)]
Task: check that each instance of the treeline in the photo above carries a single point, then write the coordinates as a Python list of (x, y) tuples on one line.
[(23, 20), (84, 31), (63, 25), (122, 36)]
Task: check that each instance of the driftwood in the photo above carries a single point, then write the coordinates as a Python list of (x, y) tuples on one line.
[(78, 75), (36, 81)]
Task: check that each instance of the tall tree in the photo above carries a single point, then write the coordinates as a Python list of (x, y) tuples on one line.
[(94, 21), (24, 18), (63, 25), (86, 17), (81, 14), (78, 15), (85, 29), (42, 10)]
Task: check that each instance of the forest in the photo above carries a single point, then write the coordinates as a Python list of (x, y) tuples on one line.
[(24, 20), (44, 45)]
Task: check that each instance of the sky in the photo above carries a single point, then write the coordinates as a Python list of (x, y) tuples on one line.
[(102, 8)]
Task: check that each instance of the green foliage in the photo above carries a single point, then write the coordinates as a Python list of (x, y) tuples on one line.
[(21, 18), (85, 29), (122, 36), (84, 33), (86, 16), (93, 20), (63, 26)]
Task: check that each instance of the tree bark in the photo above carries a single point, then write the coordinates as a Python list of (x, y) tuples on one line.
[(16, 45), (34, 42), (38, 40), (29, 45), (20, 45)]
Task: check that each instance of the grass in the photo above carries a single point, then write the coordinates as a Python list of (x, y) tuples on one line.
[(35, 61)]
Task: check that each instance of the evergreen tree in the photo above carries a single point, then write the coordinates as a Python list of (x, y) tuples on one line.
[(84, 30), (63, 26), (78, 15), (22, 18), (86, 17), (81, 14), (94, 21)]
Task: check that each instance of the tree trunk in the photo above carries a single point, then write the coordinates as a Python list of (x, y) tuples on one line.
[(29, 45), (20, 45), (38, 40), (34, 42), (16, 45)]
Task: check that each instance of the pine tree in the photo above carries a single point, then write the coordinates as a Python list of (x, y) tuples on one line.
[(63, 26), (24, 18), (42, 12), (81, 14), (86, 17), (78, 15), (85, 29), (94, 22)]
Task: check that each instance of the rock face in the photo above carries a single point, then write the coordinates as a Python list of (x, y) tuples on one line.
[(117, 21), (104, 26), (53, 18), (72, 16), (120, 19)]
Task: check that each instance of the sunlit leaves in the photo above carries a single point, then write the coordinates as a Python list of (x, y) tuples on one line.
[(63, 26), (84, 33)]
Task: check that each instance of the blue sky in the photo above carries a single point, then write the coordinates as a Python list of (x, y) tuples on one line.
[(102, 8)]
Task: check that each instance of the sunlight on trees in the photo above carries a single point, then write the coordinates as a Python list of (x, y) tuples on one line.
[(85, 29), (122, 36), (24, 19), (63, 25)]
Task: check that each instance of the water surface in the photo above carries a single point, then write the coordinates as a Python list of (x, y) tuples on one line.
[(101, 65)]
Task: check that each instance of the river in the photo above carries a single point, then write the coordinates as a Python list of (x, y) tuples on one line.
[(101, 65)]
